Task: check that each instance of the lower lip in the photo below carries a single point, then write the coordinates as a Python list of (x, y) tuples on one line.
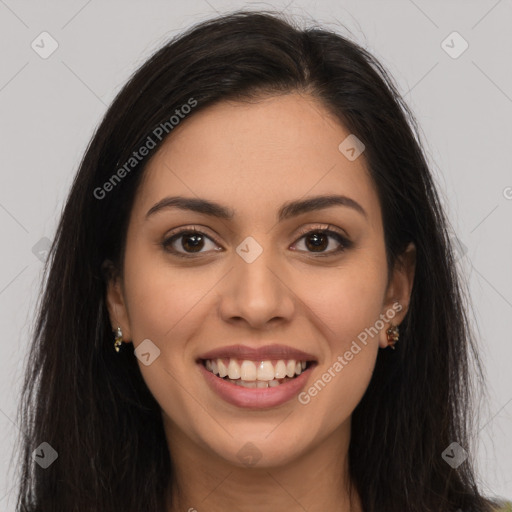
[(255, 398)]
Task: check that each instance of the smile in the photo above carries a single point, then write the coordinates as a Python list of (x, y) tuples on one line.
[(255, 374)]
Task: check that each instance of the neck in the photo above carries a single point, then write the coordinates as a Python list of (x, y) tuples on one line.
[(317, 480)]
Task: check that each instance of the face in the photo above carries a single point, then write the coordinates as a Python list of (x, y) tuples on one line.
[(257, 293)]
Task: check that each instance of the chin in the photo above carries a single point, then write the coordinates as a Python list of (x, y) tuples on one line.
[(262, 449)]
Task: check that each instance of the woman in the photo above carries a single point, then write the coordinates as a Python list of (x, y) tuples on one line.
[(252, 301)]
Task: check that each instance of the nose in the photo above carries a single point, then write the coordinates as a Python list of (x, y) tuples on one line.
[(256, 293)]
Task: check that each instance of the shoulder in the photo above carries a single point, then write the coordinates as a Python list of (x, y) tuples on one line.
[(503, 506)]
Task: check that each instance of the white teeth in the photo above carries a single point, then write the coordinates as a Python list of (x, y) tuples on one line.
[(251, 371), (233, 370), (223, 371), (265, 371), (280, 369), (257, 384), (248, 371)]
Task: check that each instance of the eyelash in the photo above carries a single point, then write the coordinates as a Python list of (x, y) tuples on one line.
[(325, 229)]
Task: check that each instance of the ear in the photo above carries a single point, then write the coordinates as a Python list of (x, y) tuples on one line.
[(115, 300), (398, 293)]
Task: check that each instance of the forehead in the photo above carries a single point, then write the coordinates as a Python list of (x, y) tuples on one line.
[(258, 154)]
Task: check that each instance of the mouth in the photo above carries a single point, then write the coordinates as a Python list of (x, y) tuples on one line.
[(260, 374), (256, 377)]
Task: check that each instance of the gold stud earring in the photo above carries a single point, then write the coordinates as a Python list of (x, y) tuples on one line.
[(119, 339), (393, 334)]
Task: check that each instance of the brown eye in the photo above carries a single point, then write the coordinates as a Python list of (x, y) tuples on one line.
[(192, 243), (187, 241), (318, 240)]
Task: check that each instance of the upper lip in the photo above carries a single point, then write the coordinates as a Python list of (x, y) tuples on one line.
[(261, 353)]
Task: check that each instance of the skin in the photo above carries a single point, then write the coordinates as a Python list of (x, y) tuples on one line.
[(252, 157)]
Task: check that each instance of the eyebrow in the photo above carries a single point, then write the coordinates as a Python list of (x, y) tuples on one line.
[(288, 210)]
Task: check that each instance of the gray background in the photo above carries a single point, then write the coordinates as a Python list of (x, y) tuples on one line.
[(50, 107)]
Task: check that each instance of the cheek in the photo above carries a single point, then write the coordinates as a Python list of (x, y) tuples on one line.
[(336, 389), (164, 305), (345, 301), (167, 305), (160, 298), (345, 304)]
